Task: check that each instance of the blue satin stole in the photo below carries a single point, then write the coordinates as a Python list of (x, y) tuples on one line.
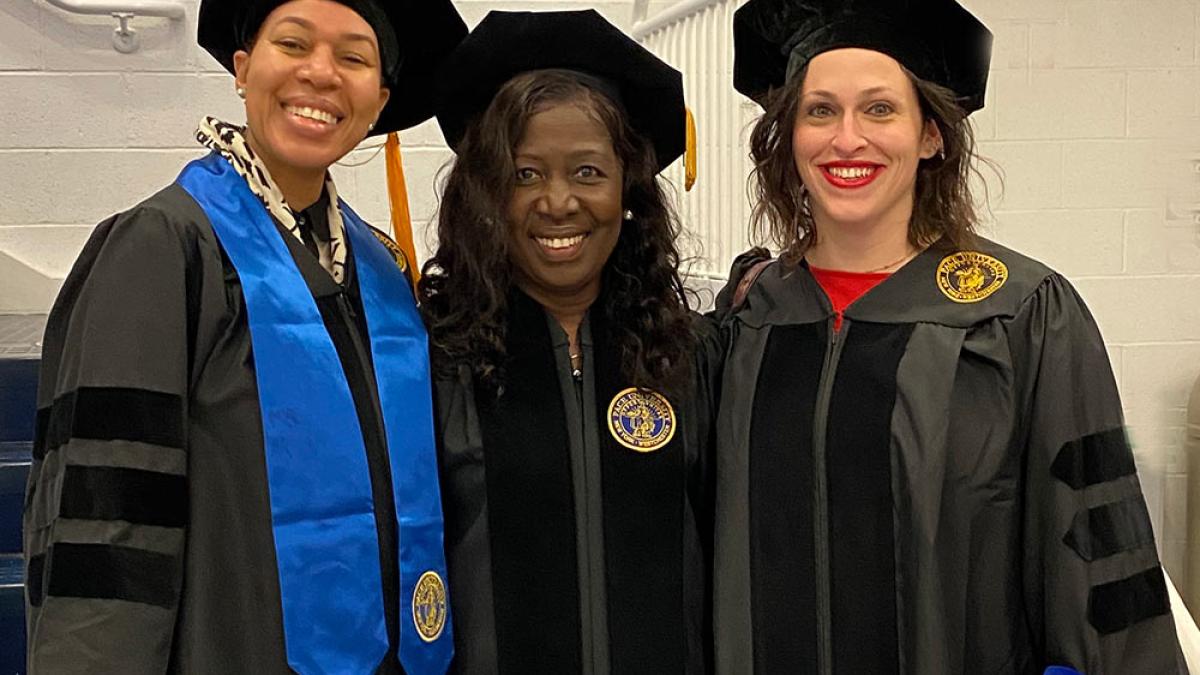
[(321, 503)]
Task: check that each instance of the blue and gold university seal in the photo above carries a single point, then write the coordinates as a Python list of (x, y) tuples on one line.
[(429, 606), (641, 420)]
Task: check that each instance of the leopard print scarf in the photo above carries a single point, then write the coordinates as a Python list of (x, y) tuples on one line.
[(230, 142)]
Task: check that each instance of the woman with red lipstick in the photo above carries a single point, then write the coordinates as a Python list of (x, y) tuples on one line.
[(921, 460), (572, 417), (222, 482)]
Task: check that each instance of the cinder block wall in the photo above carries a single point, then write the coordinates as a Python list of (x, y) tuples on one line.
[(1094, 117), (89, 131)]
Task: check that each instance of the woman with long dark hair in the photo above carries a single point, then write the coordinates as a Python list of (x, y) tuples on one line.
[(573, 419), (922, 462)]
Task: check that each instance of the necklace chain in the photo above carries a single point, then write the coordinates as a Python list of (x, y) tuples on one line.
[(908, 255)]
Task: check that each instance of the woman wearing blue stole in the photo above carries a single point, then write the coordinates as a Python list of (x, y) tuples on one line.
[(222, 483), (573, 392)]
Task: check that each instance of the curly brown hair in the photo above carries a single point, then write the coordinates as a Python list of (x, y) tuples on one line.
[(465, 286), (943, 209)]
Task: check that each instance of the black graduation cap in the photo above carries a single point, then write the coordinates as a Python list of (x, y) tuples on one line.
[(938, 40), (506, 44), (414, 36)]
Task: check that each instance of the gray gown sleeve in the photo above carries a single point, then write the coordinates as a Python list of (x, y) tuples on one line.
[(742, 273), (468, 542), (107, 500), (1094, 587), (712, 335)]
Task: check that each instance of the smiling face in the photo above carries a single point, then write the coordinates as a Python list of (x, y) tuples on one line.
[(313, 86), (858, 138), (564, 216)]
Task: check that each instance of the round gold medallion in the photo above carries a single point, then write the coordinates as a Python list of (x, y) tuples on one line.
[(970, 276), (393, 248), (429, 606), (641, 420)]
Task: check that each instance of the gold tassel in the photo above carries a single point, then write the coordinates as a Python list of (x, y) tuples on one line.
[(689, 155), (398, 198)]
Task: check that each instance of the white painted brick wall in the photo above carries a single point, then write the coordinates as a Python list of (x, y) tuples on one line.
[(1093, 115), (89, 131), (1093, 111)]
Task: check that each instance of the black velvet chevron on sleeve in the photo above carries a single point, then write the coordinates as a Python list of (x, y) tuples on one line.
[(1110, 529), (116, 493), (1115, 606), (110, 413), (1094, 459), (106, 571)]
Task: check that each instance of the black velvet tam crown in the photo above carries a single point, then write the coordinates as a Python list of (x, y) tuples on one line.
[(938, 40), (415, 37), (506, 44)]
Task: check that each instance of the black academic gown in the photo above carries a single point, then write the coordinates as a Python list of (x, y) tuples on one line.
[(943, 486), (148, 521), (567, 552)]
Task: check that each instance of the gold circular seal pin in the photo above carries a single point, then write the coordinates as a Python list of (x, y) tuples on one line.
[(393, 248), (641, 420), (970, 276), (429, 606)]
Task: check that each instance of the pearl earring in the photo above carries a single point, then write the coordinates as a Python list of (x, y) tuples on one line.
[(241, 92), (371, 126), (628, 215)]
